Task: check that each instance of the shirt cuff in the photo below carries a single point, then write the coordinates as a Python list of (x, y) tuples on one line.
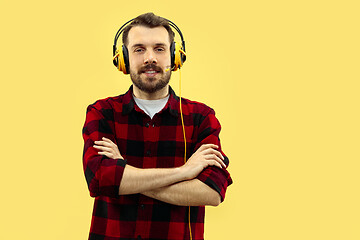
[(216, 178), (111, 173)]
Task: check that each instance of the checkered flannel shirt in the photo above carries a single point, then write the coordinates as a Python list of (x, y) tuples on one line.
[(146, 143)]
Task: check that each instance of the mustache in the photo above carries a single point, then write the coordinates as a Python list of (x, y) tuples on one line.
[(152, 67)]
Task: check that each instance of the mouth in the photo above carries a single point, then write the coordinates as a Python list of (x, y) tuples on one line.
[(151, 70), (150, 73)]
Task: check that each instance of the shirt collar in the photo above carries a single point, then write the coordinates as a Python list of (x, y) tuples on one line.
[(172, 105)]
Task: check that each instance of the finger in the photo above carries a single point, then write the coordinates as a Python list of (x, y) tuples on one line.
[(213, 151), (109, 155), (102, 143), (219, 160), (218, 153), (102, 148), (210, 145), (207, 146), (107, 140), (214, 163), (216, 158), (110, 143)]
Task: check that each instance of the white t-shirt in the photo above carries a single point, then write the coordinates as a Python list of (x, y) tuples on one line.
[(151, 107)]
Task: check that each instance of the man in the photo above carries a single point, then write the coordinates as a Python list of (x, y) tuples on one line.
[(134, 149)]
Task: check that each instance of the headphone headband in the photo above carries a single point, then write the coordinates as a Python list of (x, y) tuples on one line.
[(122, 28)]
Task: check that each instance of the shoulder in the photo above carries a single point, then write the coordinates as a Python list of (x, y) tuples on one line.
[(106, 103), (110, 103), (199, 113), (195, 107), (106, 107)]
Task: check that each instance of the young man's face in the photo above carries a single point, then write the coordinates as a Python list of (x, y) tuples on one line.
[(149, 57)]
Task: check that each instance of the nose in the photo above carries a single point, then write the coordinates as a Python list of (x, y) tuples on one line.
[(149, 58)]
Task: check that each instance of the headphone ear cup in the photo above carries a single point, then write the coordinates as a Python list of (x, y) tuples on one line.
[(183, 56), (125, 56), (121, 60), (172, 54), (178, 57), (116, 59)]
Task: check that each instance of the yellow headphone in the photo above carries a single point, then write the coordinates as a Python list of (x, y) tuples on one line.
[(121, 56)]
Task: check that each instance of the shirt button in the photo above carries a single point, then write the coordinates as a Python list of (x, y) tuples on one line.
[(147, 125), (142, 206), (148, 152), (153, 125)]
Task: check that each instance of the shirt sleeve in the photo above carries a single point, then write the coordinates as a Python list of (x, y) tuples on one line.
[(216, 178), (103, 174)]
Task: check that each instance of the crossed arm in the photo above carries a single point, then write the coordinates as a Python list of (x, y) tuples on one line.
[(176, 186)]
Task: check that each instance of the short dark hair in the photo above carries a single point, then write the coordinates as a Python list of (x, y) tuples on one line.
[(148, 20)]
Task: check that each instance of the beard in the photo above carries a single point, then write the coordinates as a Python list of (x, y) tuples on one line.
[(150, 84)]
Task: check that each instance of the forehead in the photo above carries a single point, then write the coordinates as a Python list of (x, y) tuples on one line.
[(148, 36)]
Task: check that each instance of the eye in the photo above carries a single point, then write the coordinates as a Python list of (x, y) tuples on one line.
[(138, 50), (160, 49)]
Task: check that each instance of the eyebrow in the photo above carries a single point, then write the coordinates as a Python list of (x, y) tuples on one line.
[(142, 45)]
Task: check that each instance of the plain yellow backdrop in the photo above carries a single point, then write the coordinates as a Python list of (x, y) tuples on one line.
[(282, 76)]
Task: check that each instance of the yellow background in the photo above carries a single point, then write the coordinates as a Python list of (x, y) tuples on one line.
[(283, 77)]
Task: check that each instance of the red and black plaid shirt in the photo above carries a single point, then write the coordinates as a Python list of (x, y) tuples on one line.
[(146, 143)]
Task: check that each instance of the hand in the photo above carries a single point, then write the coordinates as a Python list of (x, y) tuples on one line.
[(205, 156), (108, 148)]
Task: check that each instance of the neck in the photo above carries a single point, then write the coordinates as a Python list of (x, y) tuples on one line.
[(162, 93)]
